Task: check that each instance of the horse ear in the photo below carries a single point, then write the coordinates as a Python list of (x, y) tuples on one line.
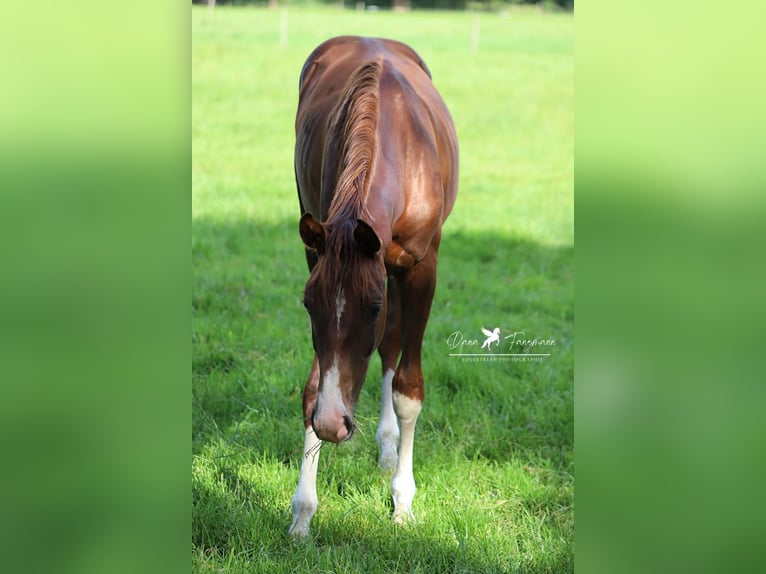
[(313, 233), (366, 238)]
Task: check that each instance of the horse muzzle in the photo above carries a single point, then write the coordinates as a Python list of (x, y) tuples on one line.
[(333, 425)]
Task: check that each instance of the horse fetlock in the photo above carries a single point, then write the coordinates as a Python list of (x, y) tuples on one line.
[(304, 508), (305, 505), (388, 440), (402, 491), (388, 457)]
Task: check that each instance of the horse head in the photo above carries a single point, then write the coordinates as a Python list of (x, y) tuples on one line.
[(345, 297)]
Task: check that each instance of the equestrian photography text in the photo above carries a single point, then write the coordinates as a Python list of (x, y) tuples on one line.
[(500, 343)]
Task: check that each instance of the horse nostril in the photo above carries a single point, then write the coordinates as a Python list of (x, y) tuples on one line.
[(350, 426)]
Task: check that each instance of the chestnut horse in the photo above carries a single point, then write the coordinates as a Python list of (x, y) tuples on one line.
[(376, 165)]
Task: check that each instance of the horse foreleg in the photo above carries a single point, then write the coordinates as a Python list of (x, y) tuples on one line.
[(403, 483), (387, 435), (305, 500), (417, 291)]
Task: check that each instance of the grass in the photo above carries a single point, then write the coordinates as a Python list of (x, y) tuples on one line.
[(494, 459)]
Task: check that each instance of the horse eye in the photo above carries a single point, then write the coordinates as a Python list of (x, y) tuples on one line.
[(375, 309)]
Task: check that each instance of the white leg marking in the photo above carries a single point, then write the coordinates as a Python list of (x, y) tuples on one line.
[(340, 304), (403, 483), (388, 429), (305, 500)]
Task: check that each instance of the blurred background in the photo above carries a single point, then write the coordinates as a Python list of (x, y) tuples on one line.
[(95, 164)]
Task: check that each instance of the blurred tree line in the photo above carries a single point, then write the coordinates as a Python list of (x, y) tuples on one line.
[(433, 4)]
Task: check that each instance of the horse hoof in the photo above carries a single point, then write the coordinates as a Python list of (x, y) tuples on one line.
[(299, 529), (403, 516), (298, 534)]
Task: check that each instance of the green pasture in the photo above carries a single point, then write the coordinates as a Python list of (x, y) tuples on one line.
[(494, 455)]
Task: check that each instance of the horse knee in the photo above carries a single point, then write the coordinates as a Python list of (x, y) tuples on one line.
[(408, 393), (406, 408)]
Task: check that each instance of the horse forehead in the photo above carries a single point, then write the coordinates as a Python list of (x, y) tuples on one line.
[(332, 298)]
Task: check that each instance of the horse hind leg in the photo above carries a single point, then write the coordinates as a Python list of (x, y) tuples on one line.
[(387, 435)]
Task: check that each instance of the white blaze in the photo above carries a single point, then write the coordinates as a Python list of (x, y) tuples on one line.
[(330, 393)]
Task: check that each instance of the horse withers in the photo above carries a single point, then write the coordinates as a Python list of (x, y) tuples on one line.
[(376, 166)]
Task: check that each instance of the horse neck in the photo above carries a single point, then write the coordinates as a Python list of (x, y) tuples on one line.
[(354, 136)]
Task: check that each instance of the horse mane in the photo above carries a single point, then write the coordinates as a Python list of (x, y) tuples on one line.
[(352, 134), (354, 127)]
